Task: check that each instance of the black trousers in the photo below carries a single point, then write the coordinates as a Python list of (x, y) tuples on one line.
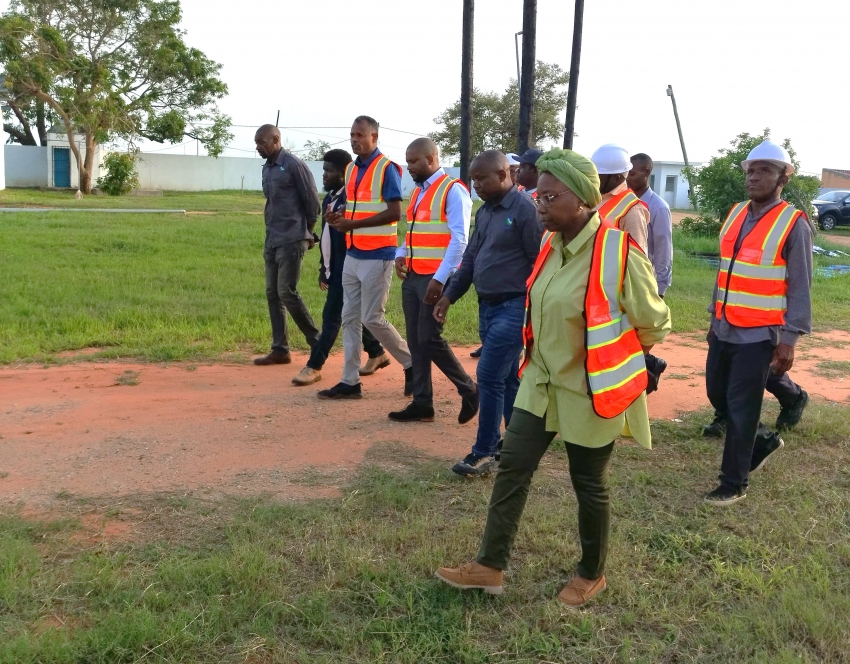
[(283, 270), (331, 324), (782, 387), (426, 343), (526, 441), (735, 377)]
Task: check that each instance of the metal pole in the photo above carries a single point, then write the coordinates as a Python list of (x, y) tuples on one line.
[(572, 92), (466, 90), (518, 76), (526, 91), (682, 143), (277, 120)]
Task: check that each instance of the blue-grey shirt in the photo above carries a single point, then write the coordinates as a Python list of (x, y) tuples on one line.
[(659, 238), (390, 191), (502, 250), (292, 202)]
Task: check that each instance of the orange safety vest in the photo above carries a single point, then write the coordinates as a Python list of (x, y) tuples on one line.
[(428, 233), (751, 286), (366, 200), (616, 207), (614, 365)]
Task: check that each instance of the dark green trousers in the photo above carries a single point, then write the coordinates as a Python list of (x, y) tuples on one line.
[(526, 441)]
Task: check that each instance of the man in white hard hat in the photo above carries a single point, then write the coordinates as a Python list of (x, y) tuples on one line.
[(761, 306), (620, 205)]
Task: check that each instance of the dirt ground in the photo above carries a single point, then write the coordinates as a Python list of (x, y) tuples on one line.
[(114, 429)]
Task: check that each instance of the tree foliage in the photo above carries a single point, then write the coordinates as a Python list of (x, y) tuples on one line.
[(720, 184), (112, 69), (120, 176), (495, 116), (315, 150)]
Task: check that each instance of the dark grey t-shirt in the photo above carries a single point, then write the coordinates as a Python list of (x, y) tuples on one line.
[(292, 202), (502, 250), (797, 253)]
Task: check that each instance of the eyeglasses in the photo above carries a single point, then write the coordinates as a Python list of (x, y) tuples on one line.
[(547, 199)]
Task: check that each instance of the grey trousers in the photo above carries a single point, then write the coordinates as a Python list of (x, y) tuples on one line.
[(365, 287)]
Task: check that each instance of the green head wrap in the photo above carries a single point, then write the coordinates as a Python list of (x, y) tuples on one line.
[(576, 172)]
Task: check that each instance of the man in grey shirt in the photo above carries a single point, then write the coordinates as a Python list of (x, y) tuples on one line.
[(659, 235), (498, 260), (292, 206), (760, 306)]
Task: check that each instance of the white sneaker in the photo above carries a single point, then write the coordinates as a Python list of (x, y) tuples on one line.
[(307, 376)]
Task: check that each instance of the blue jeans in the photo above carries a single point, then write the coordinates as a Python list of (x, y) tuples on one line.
[(500, 328)]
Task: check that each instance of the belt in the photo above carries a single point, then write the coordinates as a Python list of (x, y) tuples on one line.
[(499, 299)]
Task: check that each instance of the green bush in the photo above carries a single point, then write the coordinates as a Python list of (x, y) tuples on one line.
[(704, 226), (121, 175)]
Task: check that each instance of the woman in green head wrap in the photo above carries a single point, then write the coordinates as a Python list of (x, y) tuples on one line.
[(593, 310)]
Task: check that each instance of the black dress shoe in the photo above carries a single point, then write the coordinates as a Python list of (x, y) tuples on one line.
[(413, 413), (408, 382), (273, 358), (789, 417), (342, 391), (476, 353), (717, 429), (468, 408)]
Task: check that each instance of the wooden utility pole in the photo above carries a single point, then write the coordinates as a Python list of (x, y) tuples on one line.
[(572, 91), (529, 61), (691, 195), (466, 90)]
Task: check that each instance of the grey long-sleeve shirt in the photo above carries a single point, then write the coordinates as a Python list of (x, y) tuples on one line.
[(502, 250), (659, 239), (292, 202), (797, 253)]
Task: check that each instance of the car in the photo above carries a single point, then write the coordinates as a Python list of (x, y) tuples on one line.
[(833, 208)]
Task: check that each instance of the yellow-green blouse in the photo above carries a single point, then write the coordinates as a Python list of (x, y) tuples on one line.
[(554, 382)]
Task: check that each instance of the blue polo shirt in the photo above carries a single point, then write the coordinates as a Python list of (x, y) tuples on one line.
[(390, 191)]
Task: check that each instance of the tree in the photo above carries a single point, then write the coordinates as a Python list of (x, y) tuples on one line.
[(111, 69), (315, 150), (495, 117), (22, 114), (720, 184)]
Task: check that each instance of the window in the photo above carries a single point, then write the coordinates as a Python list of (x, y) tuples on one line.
[(833, 196), (652, 182), (670, 184)]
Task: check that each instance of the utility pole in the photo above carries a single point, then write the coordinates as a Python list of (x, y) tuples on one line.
[(277, 121), (466, 90), (518, 76), (526, 89), (682, 143), (572, 91)]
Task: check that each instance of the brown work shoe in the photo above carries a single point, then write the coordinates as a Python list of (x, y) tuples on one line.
[(307, 376), (472, 575), (373, 364), (273, 358), (580, 590)]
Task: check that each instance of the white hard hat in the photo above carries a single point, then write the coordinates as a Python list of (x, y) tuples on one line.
[(611, 159), (512, 159), (770, 151)]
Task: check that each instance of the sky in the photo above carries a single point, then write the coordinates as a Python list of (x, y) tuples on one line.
[(735, 66)]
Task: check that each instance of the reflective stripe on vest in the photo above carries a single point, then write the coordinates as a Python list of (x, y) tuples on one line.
[(428, 233), (615, 365), (615, 208), (366, 200), (751, 285)]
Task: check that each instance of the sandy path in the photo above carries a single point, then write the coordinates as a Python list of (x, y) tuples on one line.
[(241, 429)]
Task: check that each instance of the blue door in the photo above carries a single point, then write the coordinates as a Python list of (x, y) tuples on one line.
[(61, 167)]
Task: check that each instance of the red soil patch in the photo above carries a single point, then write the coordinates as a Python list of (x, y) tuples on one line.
[(240, 429)]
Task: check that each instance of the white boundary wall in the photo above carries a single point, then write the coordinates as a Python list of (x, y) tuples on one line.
[(26, 166)]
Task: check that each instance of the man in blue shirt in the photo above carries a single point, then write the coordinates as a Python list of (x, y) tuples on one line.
[(659, 234), (367, 272)]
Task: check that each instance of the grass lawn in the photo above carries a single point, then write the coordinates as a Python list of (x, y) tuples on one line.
[(169, 287), (350, 579), (209, 201)]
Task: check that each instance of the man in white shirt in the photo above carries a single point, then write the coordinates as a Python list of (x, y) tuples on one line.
[(437, 234), (659, 239)]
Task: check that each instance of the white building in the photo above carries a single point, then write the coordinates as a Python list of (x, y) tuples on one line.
[(62, 168), (669, 182)]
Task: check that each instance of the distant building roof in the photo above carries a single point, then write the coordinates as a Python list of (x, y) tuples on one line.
[(838, 171)]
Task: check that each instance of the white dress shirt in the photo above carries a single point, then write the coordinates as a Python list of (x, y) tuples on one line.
[(458, 213)]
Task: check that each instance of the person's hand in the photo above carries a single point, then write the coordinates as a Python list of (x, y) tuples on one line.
[(310, 243), (709, 334), (322, 283), (435, 290), (401, 267), (441, 309), (783, 359), (339, 222)]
